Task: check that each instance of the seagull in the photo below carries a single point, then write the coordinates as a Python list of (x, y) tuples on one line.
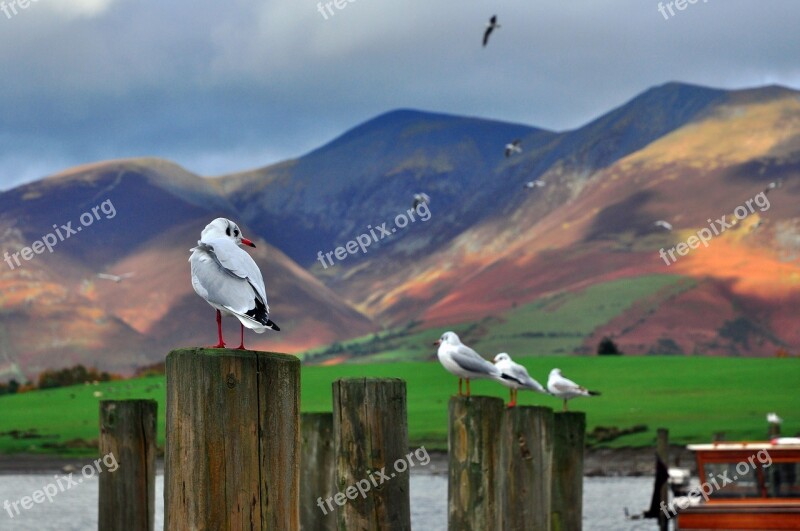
[(773, 418), (421, 199), (513, 147), (490, 27), (519, 377), (564, 388), (464, 362), (773, 185), (664, 224), (114, 278), (228, 278), (534, 184)]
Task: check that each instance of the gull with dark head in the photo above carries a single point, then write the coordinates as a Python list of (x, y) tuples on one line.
[(229, 279), (515, 377), (462, 361), (566, 389)]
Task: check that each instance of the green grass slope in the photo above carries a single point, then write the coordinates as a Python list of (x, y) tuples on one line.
[(692, 396)]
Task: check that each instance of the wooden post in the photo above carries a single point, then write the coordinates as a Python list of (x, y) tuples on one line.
[(317, 471), (662, 448), (473, 442), (371, 437), (128, 460), (526, 469), (569, 434), (233, 440)]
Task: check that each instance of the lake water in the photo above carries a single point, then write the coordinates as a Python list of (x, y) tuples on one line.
[(76, 509)]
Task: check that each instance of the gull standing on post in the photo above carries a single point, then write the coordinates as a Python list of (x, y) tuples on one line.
[(516, 377), (463, 362), (228, 278), (564, 388)]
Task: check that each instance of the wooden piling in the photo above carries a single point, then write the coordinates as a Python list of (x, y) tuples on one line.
[(662, 449), (569, 434), (233, 440), (370, 436), (317, 470), (525, 470), (473, 449), (127, 475)]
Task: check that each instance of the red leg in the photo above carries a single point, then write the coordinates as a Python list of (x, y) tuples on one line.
[(241, 344), (459, 387), (513, 398), (468, 387), (221, 343)]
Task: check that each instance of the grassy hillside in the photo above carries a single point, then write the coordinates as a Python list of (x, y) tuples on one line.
[(692, 396)]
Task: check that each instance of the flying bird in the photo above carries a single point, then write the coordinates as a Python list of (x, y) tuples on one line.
[(114, 278), (565, 389), (513, 147), (490, 27), (663, 224), (421, 199), (773, 185), (228, 278), (517, 377), (534, 184), (460, 360)]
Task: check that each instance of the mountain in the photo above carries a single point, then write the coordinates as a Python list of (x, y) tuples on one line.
[(490, 253)]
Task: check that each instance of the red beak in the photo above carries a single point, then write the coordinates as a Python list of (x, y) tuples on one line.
[(248, 242), (437, 342)]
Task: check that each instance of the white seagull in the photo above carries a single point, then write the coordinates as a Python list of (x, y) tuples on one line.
[(490, 27), (663, 224), (462, 361), (228, 278), (773, 418), (421, 199), (565, 389), (534, 184), (114, 278), (513, 147), (516, 377)]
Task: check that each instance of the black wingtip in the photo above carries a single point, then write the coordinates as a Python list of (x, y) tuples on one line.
[(272, 326), (505, 376), (594, 393)]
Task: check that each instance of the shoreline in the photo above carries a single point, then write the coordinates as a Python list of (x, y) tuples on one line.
[(598, 462)]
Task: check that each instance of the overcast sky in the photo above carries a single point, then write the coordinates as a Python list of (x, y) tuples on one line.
[(225, 85)]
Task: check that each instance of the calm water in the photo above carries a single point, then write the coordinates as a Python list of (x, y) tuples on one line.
[(76, 509)]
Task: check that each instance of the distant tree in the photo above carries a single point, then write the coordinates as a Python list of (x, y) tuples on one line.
[(607, 347), (13, 387)]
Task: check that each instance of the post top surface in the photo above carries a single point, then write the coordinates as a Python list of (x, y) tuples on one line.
[(230, 352)]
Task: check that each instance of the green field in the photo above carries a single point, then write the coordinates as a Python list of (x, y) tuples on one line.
[(692, 396)]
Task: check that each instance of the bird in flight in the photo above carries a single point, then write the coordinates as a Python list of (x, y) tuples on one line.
[(534, 184), (421, 199), (773, 185), (663, 224), (490, 27), (513, 147), (229, 279), (114, 278)]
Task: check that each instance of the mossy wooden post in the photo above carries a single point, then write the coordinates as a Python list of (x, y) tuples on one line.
[(569, 435), (233, 440), (128, 465), (526, 468), (371, 434), (317, 471), (473, 441), (662, 448)]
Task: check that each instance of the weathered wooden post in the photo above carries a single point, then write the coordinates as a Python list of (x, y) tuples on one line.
[(371, 437), (317, 470), (569, 434), (128, 453), (474, 451), (233, 440), (525, 472), (662, 449)]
